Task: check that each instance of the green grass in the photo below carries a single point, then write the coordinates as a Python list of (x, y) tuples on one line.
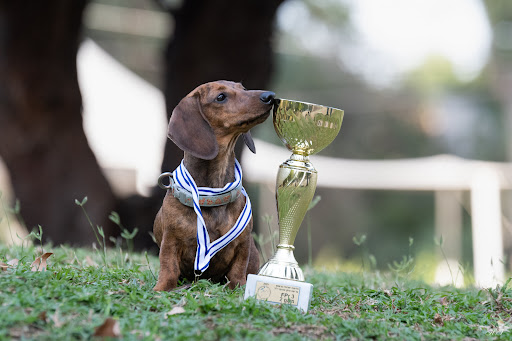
[(78, 292)]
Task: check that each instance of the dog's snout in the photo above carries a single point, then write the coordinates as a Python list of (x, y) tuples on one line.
[(268, 97)]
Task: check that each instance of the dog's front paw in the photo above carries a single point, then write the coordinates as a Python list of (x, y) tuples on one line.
[(165, 284), (159, 287)]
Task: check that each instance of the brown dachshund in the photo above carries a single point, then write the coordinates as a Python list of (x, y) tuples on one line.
[(206, 125)]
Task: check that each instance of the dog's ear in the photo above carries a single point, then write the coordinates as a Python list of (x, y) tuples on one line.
[(249, 142), (190, 131)]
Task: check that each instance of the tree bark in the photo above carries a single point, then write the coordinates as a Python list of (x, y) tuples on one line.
[(42, 140), (217, 40)]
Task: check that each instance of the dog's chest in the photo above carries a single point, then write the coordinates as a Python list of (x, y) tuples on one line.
[(219, 264), (217, 225)]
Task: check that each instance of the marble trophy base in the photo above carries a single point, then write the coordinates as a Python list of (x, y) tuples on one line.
[(279, 291)]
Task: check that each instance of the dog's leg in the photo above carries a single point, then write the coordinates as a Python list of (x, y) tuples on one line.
[(169, 266), (237, 275), (254, 259)]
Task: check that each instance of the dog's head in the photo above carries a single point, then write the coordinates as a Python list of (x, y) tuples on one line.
[(214, 114)]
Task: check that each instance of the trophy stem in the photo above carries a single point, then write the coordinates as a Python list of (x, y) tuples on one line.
[(295, 187)]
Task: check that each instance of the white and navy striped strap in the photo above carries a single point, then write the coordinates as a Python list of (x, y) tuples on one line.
[(206, 249)]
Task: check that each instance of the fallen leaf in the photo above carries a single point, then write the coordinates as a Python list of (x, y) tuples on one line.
[(43, 316), (13, 262), (40, 263), (109, 328), (443, 300), (439, 319), (175, 310), (10, 264)]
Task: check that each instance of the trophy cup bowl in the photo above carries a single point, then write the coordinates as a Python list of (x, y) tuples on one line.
[(305, 129)]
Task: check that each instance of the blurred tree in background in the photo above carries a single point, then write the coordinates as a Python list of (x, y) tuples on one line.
[(42, 141)]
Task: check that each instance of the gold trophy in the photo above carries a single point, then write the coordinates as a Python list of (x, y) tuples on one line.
[(305, 129)]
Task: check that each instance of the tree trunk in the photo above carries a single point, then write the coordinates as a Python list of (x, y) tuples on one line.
[(41, 136), (214, 40)]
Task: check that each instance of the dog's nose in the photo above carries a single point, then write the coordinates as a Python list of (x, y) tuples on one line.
[(268, 97)]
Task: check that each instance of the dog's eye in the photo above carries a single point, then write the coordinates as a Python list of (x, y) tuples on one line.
[(221, 98)]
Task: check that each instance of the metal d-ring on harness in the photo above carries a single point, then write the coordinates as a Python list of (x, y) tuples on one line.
[(197, 274), (161, 180)]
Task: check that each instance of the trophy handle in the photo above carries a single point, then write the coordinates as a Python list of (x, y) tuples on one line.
[(295, 187)]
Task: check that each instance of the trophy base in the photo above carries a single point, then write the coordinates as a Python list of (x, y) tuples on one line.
[(279, 291), (283, 265)]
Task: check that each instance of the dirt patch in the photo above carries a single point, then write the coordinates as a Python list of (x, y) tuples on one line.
[(28, 331), (309, 331)]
